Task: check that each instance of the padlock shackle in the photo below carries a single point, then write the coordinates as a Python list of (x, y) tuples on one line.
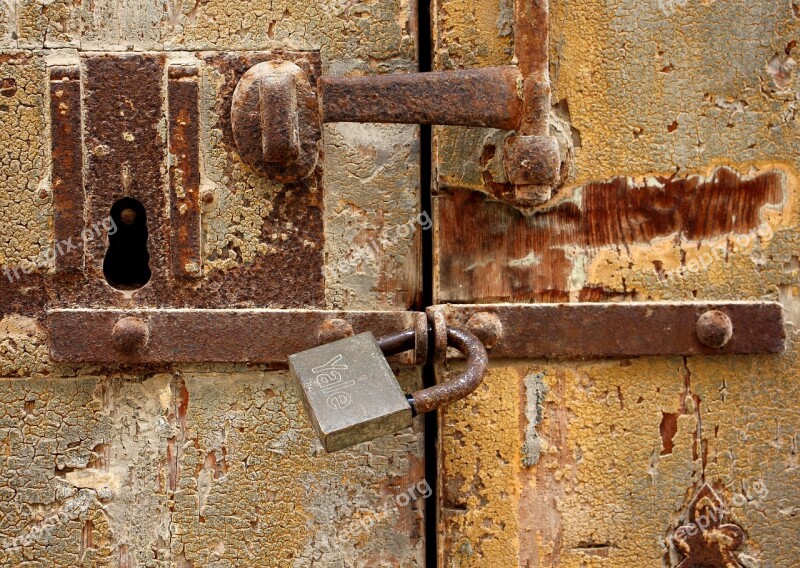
[(462, 385), (397, 342), (454, 389)]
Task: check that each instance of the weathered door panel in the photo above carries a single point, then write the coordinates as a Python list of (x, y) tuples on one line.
[(194, 465), (679, 122)]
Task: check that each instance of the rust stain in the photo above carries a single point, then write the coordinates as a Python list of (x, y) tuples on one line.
[(8, 87), (489, 251), (24, 296), (668, 429)]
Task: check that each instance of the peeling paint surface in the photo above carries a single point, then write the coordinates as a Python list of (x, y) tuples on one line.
[(658, 99), (206, 465)]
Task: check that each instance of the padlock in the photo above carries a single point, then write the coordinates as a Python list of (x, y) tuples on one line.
[(351, 394)]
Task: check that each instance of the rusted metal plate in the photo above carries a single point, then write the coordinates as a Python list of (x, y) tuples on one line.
[(184, 170), (125, 149), (586, 331), (141, 138), (476, 97), (67, 167), (190, 336)]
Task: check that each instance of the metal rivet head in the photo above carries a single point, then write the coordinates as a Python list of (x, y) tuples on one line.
[(130, 335), (714, 329), (207, 197), (334, 330), (486, 327)]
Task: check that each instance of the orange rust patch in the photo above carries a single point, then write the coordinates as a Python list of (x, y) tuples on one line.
[(489, 251)]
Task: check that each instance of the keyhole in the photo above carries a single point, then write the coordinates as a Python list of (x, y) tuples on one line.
[(126, 266)]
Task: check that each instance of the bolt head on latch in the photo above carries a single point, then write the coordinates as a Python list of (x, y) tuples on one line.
[(130, 335), (275, 121), (714, 329), (533, 166)]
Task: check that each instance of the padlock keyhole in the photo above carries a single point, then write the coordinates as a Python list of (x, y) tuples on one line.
[(127, 262)]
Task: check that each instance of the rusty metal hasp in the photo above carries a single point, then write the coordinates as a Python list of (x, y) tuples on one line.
[(276, 123), (516, 331)]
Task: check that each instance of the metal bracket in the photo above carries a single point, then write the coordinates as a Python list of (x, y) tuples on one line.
[(277, 127), (516, 331)]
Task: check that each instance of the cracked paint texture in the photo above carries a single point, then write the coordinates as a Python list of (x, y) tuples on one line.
[(606, 456), (205, 465)]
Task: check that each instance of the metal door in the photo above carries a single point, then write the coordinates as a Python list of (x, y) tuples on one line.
[(682, 187), (156, 275)]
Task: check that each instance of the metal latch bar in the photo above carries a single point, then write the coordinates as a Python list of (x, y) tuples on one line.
[(199, 336), (473, 97), (597, 330), (510, 331)]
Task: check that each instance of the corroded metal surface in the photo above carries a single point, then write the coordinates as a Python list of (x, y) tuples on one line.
[(127, 100), (528, 331), (334, 329), (183, 96), (527, 175), (130, 335), (67, 168), (630, 329), (275, 119), (714, 329), (532, 160), (125, 156), (461, 385), (477, 97), (706, 540), (456, 387), (487, 327), (242, 336)]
